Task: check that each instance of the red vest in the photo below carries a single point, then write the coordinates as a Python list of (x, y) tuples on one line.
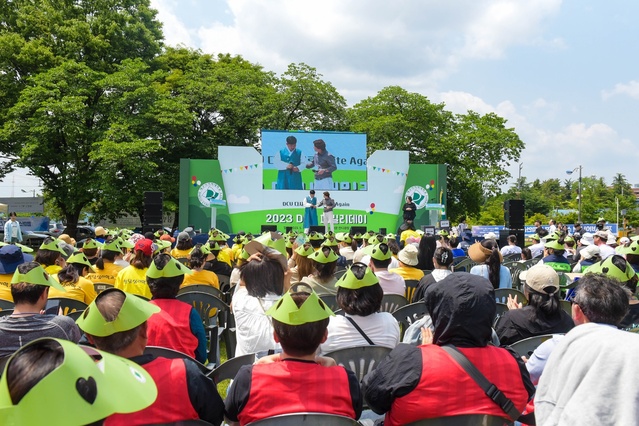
[(171, 327), (293, 387), (172, 404), (445, 389)]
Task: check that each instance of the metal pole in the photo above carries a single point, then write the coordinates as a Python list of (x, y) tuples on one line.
[(580, 196)]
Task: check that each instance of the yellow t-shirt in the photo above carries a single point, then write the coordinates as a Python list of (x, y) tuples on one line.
[(106, 275), (53, 269), (408, 272), (407, 234), (201, 277), (5, 288), (224, 256), (133, 280), (178, 254), (82, 290)]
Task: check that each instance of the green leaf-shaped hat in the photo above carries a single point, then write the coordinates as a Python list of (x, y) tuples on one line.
[(90, 385), (305, 250), (113, 245), (173, 268), (632, 248), (134, 311), (90, 243), (377, 251), (330, 242), (36, 276), (377, 239), (286, 311), (80, 258), (344, 237), (350, 281), (320, 257), (607, 267), (554, 244), (53, 245)]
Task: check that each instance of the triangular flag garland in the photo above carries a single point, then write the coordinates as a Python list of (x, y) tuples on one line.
[(385, 170), (241, 168)]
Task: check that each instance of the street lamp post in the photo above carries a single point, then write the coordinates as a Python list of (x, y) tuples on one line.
[(569, 172)]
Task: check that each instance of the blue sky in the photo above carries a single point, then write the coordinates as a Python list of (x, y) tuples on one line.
[(564, 73)]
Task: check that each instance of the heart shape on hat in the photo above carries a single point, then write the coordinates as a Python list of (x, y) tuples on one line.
[(605, 269), (87, 388)]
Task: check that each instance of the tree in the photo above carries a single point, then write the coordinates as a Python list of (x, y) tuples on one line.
[(475, 148), (56, 59)]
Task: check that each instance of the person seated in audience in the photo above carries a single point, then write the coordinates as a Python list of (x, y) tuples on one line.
[(554, 256), (347, 245), (426, 250), (55, 382), (117, 322), (422, 382), (72, 278), (407, 261), (442, 260), (200, 275), (589, 255), (11, 256), (293, 381), (30, 289), (631, 253), (598, 298), (213, 264), (359, 295), (489, 263), (262, 283), (178, 325), (183, 246), (455, 249), (304, 265), (380, 259), (617, 268), (132, 279), (51, 255), (226, 254), (90, 248), (590, 376), (511, 247), (525, 254), (105, 269), (323, 280), (542, 315), (537, 247)]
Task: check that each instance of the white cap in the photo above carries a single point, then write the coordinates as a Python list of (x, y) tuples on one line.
[(587, 239)]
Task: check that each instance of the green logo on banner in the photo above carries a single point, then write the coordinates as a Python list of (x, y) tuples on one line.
[(419, 196)]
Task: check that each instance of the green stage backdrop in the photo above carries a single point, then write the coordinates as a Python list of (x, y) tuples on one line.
[(228, 194)]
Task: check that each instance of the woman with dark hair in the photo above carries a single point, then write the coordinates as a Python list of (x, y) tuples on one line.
[(132, 279), (262, 283), (183, 246), (72, 278), (542, 315), (51, 255), (409, 209), (213, 264), (427, 246), (489, 260), (525, 254), (442, 260), (200, 275), (360, 296), (105, 269), (323, 280)]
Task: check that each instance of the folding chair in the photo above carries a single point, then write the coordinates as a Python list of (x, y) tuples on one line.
[(463, 420), (6, 304), (69, 305), (202, 288), (159, 351), (392, 302), (308, 419), (501, 295), (408, 314), (100, 287), (360, 359), (228, 369), (411, 286), (526, 347)]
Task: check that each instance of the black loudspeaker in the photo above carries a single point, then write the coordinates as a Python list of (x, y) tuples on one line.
[(288, 229), (382, 231), (514, 214), (358, 230), (153, 210), (270, 228), (316, 228), (518, 233)]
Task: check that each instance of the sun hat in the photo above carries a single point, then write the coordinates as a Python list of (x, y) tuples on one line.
[(349, 279), (587, 239), (112, 245), (632, 248), (377, 239), (612, 240), (134, 311), (90, 243), (189, 230), (408, 255), (286, 310), (255, 247), (183, 236), (11, 257), (554, 244), (100, 231), (601, 234), (541, 278), (67, 239), (135, 238), (480, 254), (589, 251), (305, 250), (491, 236), (343, 237), (54, 245), (81, 259), (330, 242), (89, 386)]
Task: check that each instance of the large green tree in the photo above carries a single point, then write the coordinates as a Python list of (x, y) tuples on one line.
[(58, 59), (476, 148)]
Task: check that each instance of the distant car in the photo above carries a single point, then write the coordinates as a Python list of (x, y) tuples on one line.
[(32, 239), (55, 228), (82, 232)]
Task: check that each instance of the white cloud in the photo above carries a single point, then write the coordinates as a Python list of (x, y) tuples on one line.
[(234, 199), (630, 89), (175, 32)]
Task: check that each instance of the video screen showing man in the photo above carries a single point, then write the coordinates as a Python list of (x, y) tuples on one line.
[(288, 164), (323, 165)]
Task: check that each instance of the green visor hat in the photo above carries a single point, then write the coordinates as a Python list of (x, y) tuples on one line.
[(288, 243), (330, 242), (305, 250), (553, 236), (89, 385), (134, 311), (377, 239), (286, 310), (377, 251), (211, 246), (320, 257), (162, 244), (113, 245), (569, 239), (173, 268), (37, 276), (125, 243), (553, 244), (90, 243), (274, 241), (535, 237), (443, 233), (608, 268), (315, 236), (23, 249), (357, 236), (391, 236), (632, 248), (255, 247), (343, 237), (349, 279), (80, 258), (53, 245)]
